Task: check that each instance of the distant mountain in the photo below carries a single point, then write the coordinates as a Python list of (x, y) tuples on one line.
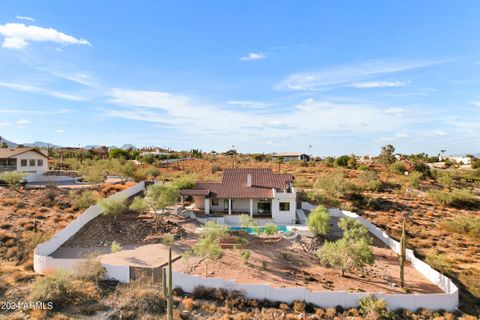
[(128, 146), (10, 144), (41, 144), (92, 146)]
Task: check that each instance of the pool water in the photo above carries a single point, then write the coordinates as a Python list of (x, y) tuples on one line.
[(250, 230)]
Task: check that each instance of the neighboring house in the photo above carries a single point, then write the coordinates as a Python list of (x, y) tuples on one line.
[(156, 153), (291, 156), (457, 159), (28, 160), (257, 192)]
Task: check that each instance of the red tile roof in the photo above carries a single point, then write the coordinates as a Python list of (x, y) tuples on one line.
[(234, 185)]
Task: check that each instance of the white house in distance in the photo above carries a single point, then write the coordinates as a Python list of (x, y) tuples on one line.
[(259, 193), (28, 160), (291, 156)]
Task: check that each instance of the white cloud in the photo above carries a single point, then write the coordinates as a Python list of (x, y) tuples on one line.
[(25, 18), (4, 124), (59, 131), (378, 84), (249, 104), (433, 133), (475, 103), (19, 36), (253, 56), (35, 89), (23, 122), (345, 74), (194, 119), (395, 111)]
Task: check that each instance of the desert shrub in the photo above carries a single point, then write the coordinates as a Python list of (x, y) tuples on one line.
[(247, 221), (370, 181), (185, 182), (201, 292), (372, 307), (318, 221), (397, 168), (168, 239), (438, 262), (464, 225), (414, 179), (115, 247), (139, 301), (113, 206), (342, 161), (445, 179), (471, 280), (139, 205), (12, 178), (188, 304), (91, 270), (270, 229), (456, 198), (53, 287), (329, 161), (84, 199), (245, 254), (333, 186), (264, 264)]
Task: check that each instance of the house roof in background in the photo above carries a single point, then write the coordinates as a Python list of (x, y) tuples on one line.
[(13, 152), (288, 154)]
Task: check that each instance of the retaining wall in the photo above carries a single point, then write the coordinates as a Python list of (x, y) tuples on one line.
[(44, 263)]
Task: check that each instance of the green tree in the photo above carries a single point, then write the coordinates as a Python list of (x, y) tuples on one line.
[(113, 206), (318, 221), (386, 155), (342, 161), (159, 197), (370, 180), (280, 160), (345, 255), (208, 246), (354, 230)]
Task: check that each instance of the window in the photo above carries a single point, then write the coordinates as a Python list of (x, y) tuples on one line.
[(23, 162), (284, 206), (214, 202), (225, 204), (264, 207), (32, 162), (40, 162)]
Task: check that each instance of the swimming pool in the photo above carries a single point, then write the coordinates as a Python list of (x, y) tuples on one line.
[(262, 229)]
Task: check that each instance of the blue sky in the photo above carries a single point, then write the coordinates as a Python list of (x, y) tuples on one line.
[(342, 76)]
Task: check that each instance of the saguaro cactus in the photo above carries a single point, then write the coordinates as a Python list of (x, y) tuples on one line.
[(170, 287), (164, 283), (403, 253)]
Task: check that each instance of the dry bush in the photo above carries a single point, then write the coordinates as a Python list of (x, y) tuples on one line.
[(188, 304), (459, 198), (54, 287), (463, 225), (201, 292), (138, 300), (91, 270), (471, 280)]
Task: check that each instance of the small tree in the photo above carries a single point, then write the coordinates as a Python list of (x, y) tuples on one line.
[(12, 178), (209, 244), (386, 155), (318, 221), (245, 254), (353, 230), (280, 160), (344, 255), (113, 206), (84, 199), (159, 197)]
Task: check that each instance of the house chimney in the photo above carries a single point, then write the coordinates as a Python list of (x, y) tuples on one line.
[(249, 180)]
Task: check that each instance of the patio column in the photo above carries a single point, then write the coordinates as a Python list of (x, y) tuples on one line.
[(207, 206), (182, 202), (229, 206), (251, 208)]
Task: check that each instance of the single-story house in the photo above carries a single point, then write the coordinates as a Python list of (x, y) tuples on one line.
[(29, 160), (257, 192), (291, 156)]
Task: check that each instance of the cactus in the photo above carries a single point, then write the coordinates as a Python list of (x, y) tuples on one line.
[(170, 286), (403, 251), (164, 283)]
